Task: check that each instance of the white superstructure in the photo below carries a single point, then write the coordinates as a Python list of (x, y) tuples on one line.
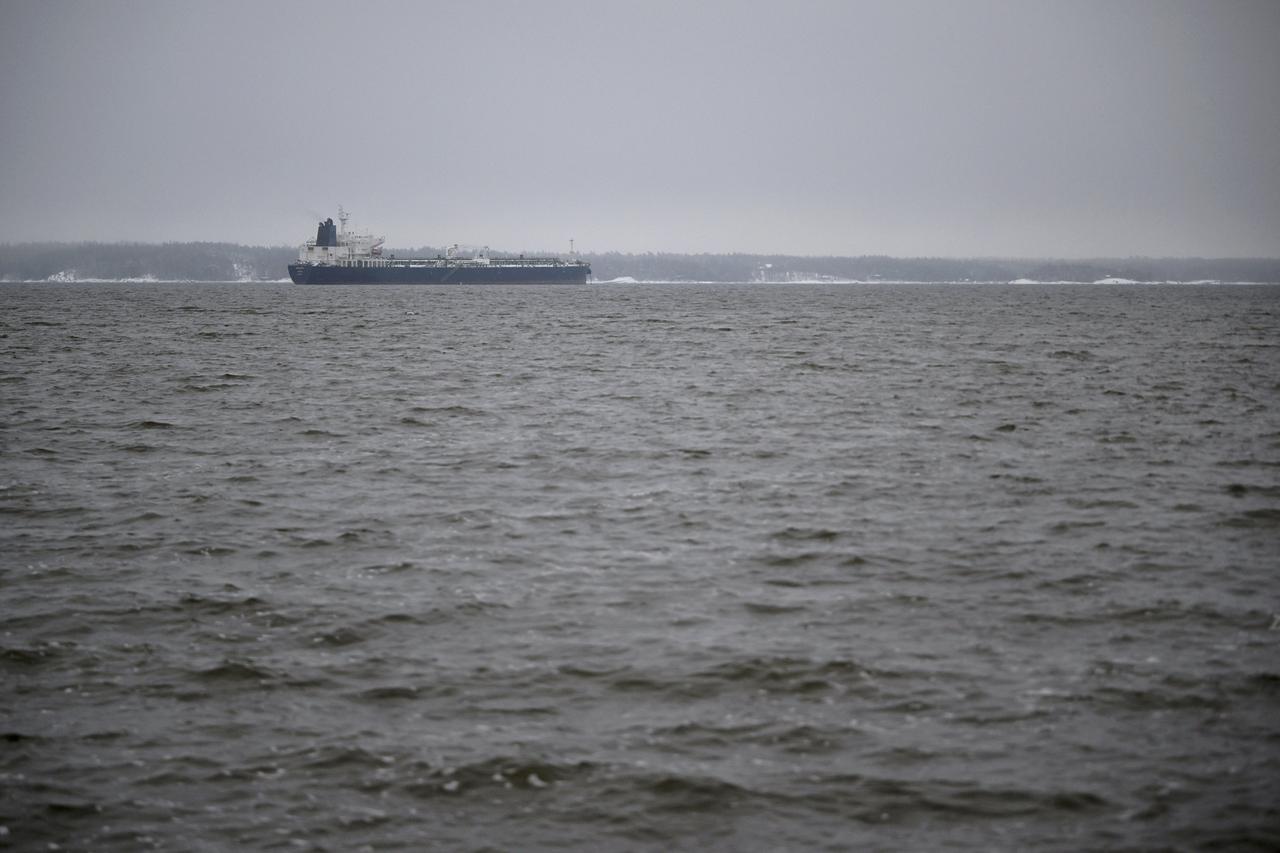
[(338, 245)]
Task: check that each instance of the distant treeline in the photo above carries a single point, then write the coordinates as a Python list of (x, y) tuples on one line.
[(741, 267), (232, 262), (163, 261)]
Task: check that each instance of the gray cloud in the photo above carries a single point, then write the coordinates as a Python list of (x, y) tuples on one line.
[(960, 128)]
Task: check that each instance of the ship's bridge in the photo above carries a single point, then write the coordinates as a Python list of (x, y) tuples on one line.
[(332, 246)]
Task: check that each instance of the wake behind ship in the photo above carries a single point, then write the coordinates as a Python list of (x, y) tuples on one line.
[(342, 257)]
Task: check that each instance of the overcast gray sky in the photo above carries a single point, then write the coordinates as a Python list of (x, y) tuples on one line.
[(933, 127)]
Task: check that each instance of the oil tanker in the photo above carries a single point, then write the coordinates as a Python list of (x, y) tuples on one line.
[(337, 256)]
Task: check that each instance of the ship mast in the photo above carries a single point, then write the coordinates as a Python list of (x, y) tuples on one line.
[(343, 216)]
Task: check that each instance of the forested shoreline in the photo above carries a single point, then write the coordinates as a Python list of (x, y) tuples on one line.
[(202, 262)]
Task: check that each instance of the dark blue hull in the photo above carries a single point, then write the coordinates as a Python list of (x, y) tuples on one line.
[(567, 273)]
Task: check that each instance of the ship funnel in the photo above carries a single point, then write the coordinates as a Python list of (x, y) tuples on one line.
[(327, 234)]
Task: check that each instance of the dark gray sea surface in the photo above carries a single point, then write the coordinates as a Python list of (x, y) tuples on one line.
[(640, 567)]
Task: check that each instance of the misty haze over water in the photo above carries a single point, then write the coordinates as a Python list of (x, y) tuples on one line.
[(194, 262), (761, 560), (975, 128)]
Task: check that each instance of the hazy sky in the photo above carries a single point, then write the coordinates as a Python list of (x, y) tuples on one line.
[(955, 127)]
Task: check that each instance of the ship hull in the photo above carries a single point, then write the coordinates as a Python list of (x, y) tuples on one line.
[(439, 274)]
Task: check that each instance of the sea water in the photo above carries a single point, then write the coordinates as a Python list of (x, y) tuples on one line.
[(639, 567)]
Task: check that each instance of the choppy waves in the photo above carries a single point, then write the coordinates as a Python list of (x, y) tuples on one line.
[(690, 567)]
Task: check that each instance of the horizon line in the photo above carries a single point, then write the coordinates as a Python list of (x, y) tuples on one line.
[(757, 253)]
